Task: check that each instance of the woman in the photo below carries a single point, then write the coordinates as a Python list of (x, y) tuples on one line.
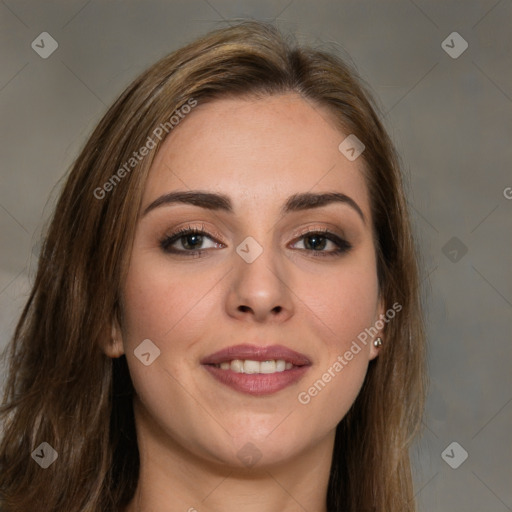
[(226, 312)]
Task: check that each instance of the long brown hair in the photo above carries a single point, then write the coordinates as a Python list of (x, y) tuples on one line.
[(62, 389)]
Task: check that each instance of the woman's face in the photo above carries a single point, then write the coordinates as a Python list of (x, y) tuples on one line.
[(255, 280)]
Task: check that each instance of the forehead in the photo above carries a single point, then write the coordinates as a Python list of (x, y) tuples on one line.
[(265, 149)]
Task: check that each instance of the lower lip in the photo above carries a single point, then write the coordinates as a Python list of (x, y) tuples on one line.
[(257, 383)]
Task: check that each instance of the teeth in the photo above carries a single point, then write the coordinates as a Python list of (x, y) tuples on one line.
[(280, 365), (250, 367), (267, 366), (237, 366)]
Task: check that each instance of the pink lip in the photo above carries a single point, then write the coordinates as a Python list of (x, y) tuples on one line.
[(257, 353), (258, 383)]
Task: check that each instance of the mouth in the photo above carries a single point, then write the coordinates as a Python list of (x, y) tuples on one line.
[(250, 366), (257, 370)]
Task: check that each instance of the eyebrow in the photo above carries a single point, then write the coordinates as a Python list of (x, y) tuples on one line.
[(214, 201)]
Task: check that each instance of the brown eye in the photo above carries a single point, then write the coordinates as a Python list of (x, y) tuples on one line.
[(318, 241), (187, 240)]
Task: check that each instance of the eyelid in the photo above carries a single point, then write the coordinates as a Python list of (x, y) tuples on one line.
[(318, 229), (169, 239), (339, 239), (199, 228)]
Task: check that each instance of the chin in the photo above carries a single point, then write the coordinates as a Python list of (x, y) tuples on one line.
[(255, 452)]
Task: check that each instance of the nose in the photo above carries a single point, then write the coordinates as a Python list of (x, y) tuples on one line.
[(260, 291)]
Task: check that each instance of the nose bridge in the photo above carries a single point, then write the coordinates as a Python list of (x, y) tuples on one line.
[(259, 280)]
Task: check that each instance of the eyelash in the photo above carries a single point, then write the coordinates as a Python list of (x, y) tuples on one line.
[(166, 243)]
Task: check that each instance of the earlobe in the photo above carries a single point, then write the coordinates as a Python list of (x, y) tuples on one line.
[(113, 346), (375, 347), (378, 341)]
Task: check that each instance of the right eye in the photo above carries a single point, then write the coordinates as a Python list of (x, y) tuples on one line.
[(191, 241)]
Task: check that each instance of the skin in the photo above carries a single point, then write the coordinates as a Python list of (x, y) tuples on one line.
[(190, 427)]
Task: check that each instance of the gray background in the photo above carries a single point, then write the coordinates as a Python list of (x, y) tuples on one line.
[(450, 118)]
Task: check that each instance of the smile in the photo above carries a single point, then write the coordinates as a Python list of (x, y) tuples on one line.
[(250, 366), (257, 370)]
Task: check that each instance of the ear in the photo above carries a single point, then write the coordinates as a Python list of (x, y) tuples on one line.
[(379, 325), (112, 345)]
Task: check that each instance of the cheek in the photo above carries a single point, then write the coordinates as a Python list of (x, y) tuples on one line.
[(342, 304), (173, 309), (160, 302), (340, 309)]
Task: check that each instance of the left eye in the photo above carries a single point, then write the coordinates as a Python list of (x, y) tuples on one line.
[(320, 241), (190, 240)]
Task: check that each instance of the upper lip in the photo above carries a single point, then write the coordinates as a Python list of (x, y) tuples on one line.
[(257, 353)]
